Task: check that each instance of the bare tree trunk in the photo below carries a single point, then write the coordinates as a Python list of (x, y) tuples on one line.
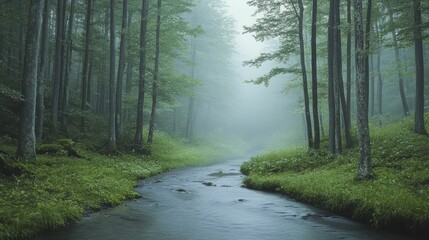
[(121, 69), (372, 88), (314, 76), (331, 99), (380, 78), (111, 145), (419, 120), (304, 74), (57, 66), (84, 92), (349, 61), (142, 71), (155, 75), (68, 62), (27, 136), (365, 169), (337, 76), (43, 73)]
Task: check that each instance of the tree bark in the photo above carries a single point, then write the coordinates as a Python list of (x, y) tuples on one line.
[(331, 99), (85, 71), (349, 61), (121, 69), (364, 169), (419, 120), (316, 144), (68, 62), (43, 71), (57, 66), (304, 74), (142, 71), (27, 135), (111, 145), (155, 75), (380, 78)]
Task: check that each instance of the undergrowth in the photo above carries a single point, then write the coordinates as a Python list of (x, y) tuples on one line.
[(396, 198), (54, 190)]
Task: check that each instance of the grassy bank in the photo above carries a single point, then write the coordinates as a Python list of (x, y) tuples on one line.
[(397, 198), (55, 190)]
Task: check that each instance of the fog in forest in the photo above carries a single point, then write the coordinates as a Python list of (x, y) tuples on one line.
[(262, 116)]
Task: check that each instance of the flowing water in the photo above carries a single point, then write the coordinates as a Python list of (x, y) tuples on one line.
[(208, 203)]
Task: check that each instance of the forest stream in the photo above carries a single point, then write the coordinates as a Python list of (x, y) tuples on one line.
[(209, 203)]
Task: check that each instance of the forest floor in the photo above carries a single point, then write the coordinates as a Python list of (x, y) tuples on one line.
[(55, 190), (396, 198)]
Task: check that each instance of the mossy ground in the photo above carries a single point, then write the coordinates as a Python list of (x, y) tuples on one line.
[(55, 189), (397, 197)]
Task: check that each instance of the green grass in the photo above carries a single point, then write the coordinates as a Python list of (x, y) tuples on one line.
[(396, 198), (55, 190)]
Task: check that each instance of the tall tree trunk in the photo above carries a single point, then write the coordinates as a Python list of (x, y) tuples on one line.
[(111, 145), (349, 61), (364, 169), (68, 62), (57, 65), (121, 69), (331, 99), (130, 60), (85, 68), (43, 73), (372, 88), (155, 75), (399, 65), (142, 71), (380, 78), (419, 120), (337, 78), (304, 74), (316, 144), (27, 136)]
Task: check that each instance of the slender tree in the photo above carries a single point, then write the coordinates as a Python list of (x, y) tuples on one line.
[(419, 120), (316, 144), (142, 71), (57, 65), (68, 62), (85, 68), (365, 169), (111, 145), (121, 69), (43, 71), (349, 61), (300, 15), (155, 75), (27, 135)]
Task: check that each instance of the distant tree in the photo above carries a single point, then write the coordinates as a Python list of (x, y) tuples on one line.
[(142, 71), (85, 68), (67, 63), (419, 120), (121, 69), (111, 145), (57, 64), (27, 135), (155, 75), (365, 169), (316, 144)]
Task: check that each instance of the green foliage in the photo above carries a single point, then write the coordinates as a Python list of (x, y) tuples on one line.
[(396, 198)]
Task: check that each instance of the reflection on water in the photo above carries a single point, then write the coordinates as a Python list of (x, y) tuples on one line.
[(208, 203)]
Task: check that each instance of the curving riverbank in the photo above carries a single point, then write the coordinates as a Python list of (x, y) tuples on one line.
[(397, 198)]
